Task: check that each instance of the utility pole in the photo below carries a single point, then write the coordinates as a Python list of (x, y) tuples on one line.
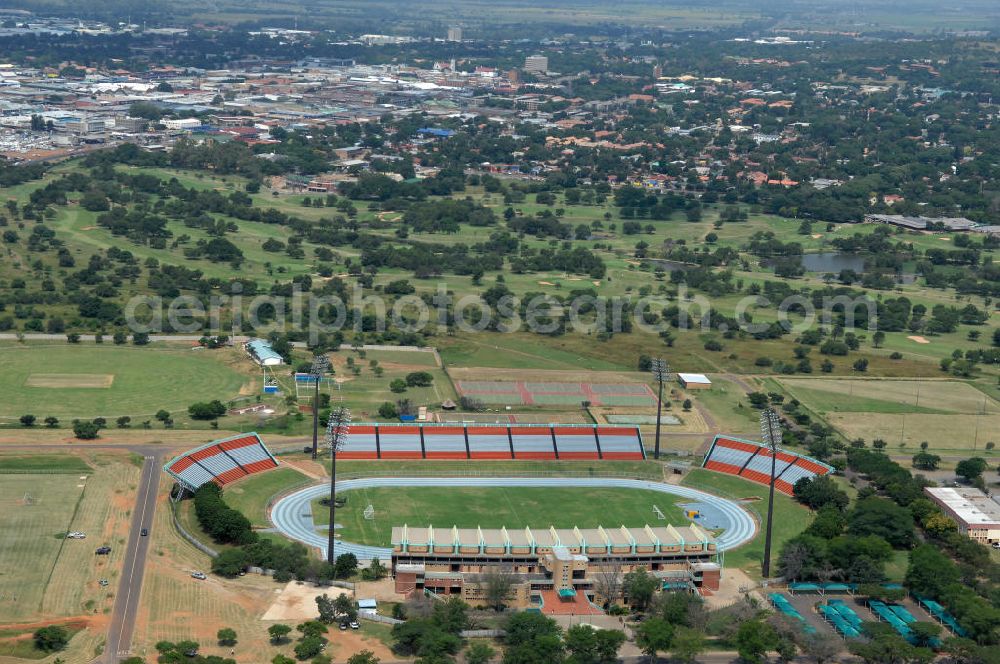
[(336, 435), (770, 429), (320, 365), (660, 371)]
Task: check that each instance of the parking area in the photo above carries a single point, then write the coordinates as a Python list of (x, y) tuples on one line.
[(805, 604)]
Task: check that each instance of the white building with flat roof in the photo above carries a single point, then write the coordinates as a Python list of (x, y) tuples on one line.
[(976, 514)]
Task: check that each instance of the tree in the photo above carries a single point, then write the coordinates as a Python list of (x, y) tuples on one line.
[(363, 657), (479, 653), (208, 410), (226, 636), (926, 461), (345, 565), (878, 338), (278, 632), (51, 422), (397, 385), (123, 422), (639, 586), (28, 420), (654, 635), (882, 517), (496, 583), (754, 639), (608, 580), (820, 648), (309, 646), (345, 606), (925, 634), (162, 415), (971, 469), (282, 659), (230, 563), (419, 379), (587, 645), (687, 644), (51, 638), (326, 608), (387, 411), (85, 430)]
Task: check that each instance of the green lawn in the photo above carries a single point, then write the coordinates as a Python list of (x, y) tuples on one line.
[(493, 507), (142, 379), (43, 464), (790, 518), (29, 547), (252, 495)]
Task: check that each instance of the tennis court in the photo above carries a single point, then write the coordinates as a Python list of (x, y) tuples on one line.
[(544, 393)]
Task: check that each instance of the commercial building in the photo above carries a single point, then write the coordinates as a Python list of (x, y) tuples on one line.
[(692, 381), (549, 566), (454, 34), (976, 514), (538, 64)]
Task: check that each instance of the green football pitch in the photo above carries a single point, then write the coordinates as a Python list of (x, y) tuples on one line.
[(88, 380), (493, 507)]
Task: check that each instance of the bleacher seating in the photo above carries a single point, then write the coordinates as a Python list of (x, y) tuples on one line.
[(488, 442), (360, 443), (482, 441), (620, 443), (532, 443), (445, 443), (576, 444), (221, 461), (399, 442), (752, 461)]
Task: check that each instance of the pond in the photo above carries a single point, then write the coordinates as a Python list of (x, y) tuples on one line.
[(833, 261)]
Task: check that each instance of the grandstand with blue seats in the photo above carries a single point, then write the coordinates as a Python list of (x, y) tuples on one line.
[(752, 461), (492, 441), (221, 461)]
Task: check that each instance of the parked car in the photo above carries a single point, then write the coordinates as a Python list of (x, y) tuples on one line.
[(103, 550), (198, 575), (103, 583), (355, 624), (343, 627), (144, 532), (76, 535)]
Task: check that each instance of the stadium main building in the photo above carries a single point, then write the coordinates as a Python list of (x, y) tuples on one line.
[(550, 566)]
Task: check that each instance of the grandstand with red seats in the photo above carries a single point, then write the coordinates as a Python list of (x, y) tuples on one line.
[(221, 461), (492, 441), (752, 461)]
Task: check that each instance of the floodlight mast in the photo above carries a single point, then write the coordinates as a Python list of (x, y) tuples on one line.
[(770, 430), (336, 435), (661, 371), (320, 365)]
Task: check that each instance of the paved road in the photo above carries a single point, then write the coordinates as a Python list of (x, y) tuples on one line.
[(130, 587), (292, 515)]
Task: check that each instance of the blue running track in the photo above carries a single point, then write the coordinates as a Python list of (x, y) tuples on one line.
[(292, 515)]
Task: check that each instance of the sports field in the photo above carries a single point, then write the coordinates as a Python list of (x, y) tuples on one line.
[(494, 507), (947, 414), (790, 518), (251, 495), (89, 380), (42, 574)]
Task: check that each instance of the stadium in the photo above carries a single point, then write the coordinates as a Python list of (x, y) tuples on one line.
[(554, 555)]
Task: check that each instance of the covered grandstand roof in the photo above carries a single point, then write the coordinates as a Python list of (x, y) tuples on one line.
[(575, 541)]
